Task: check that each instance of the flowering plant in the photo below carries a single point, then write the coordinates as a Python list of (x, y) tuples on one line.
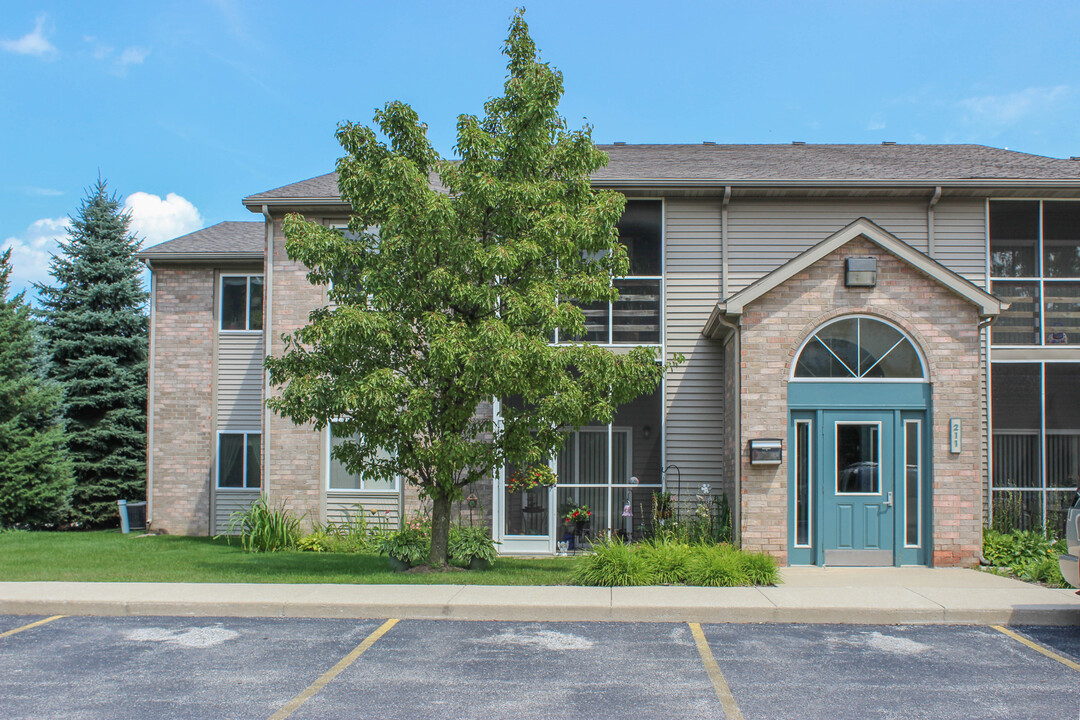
[(579, 513), (539, 476)]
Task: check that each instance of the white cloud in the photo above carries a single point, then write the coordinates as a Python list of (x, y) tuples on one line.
[(1008, 109), (34, 43), (101, 50), (156, 220), (132, 56), (42, 192), (31, 251)]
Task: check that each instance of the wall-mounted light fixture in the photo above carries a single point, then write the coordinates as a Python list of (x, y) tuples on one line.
[(646, 430), (860, 272), (766, 451)]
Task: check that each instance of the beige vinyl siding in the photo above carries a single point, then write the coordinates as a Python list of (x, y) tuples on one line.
[(960, 237), (343, 506), (226, 502), (694, 398), (239, 409), (239, 381), (765, 234)]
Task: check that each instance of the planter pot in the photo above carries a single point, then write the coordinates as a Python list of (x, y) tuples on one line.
[(399, 565), (479, 564)]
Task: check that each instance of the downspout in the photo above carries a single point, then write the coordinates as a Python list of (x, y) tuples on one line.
[(736, 512), (150, 398), (930, 241), (724, 242), (268, 324)]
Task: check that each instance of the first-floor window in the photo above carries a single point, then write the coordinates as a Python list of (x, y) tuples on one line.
[(1036, 443), (239, 460), (341, 478), (612, 469)]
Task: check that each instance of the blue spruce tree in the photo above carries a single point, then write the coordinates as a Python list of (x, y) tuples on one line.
[(96, 330)]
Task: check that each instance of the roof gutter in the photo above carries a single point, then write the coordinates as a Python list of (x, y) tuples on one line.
[(199, 257), (835, 182), (257, 205)]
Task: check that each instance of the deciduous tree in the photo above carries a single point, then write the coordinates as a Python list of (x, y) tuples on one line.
[(448, 286)]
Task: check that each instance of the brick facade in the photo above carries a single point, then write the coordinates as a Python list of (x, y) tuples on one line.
[(294, 474), (180, 455), (945, 328)]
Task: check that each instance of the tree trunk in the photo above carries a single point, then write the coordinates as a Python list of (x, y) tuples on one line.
[(440, 529)]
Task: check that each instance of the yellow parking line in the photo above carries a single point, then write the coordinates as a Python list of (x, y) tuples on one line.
[(1038, 648), (723, 692), (31, 625), (290, 707)]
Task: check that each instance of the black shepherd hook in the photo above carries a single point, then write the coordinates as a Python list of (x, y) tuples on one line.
[(678, 486)]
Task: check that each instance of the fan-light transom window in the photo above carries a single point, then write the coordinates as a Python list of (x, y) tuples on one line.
[(859, 348)]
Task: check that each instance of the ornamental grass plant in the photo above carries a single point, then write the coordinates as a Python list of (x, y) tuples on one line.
[(264, 527), (614, 563)]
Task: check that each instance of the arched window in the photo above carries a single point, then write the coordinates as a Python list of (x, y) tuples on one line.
[(858, 348)]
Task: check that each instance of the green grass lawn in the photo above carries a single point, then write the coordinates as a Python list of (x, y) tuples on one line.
[(109, 556)]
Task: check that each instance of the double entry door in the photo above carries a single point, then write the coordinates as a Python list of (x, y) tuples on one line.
[(857, 487)]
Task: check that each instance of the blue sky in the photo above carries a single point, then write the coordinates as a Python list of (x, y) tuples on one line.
[(187, 107)]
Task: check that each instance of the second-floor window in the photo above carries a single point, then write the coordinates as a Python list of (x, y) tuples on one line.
[(241, 302), (1035, 267), (633, 319)]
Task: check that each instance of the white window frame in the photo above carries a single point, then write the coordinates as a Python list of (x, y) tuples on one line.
[(918, 482), (244, 466), (610, 430), (247, 306), (836, 465), (809, 483), (351, 491), (859, 316)]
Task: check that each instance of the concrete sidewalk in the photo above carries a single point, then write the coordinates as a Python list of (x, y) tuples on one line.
[(807, 595)]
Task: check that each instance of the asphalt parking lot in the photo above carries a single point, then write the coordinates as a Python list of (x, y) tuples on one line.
[(169, 667)]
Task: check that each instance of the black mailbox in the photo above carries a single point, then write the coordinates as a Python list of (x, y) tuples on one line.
[(765, 451)]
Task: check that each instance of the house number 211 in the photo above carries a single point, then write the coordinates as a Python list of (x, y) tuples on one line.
[(954, 435)]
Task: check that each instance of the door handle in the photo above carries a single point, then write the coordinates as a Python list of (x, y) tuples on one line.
[(888, 503)]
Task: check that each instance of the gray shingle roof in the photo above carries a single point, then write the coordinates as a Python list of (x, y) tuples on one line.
[(830, 162), (245, 239), (783, 163)]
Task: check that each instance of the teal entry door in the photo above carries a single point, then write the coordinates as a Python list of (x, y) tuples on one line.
[(859, 487)]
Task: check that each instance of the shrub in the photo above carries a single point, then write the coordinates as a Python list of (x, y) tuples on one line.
[(1046, 571), (466, 543), (717, 566), (667, 561), (1031, 555), (265, 528), (613, 563), (317, 541)]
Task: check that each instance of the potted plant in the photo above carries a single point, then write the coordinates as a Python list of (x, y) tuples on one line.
[(539, 476), (471, 546), (406, 547)]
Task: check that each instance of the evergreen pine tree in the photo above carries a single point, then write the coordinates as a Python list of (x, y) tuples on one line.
[(35, 475), (97, 338)]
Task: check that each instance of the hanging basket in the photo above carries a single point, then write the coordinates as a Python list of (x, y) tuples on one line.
[(539, 476)]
